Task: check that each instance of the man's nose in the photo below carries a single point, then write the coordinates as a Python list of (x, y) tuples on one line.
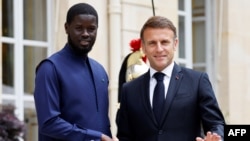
[(85, 32), (159, 46)]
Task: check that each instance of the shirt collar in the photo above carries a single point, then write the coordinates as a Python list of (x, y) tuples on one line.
[(167, 71)]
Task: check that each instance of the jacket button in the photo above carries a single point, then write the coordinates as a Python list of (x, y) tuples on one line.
[(160, 132)]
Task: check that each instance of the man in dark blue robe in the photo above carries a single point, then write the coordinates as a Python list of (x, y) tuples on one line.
[(71, 89)]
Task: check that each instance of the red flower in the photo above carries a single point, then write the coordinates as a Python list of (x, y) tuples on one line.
[(135, 44)]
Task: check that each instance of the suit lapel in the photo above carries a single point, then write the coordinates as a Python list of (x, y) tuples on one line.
[(174, 83)]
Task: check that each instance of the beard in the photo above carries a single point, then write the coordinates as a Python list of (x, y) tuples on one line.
[(80, 50)]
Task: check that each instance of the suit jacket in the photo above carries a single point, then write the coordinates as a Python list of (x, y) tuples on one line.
[(190, 104), (71, 99)]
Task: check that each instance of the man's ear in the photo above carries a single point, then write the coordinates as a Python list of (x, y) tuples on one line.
[(66, 26), (176, 43)]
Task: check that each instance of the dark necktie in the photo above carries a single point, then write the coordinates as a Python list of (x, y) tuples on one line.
[(159, 95)]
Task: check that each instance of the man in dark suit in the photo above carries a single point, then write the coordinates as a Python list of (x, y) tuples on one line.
[(71, 89), (188, 106)]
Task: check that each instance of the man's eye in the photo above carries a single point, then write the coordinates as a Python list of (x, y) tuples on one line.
[(164, 43), (151, 43), (78, 28), (91, 29)]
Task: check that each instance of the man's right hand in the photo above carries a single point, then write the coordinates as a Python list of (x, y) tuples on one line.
[(106, 138), (210, 137)]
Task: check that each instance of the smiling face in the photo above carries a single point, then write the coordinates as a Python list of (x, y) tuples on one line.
[(82, 31), (159, 45)]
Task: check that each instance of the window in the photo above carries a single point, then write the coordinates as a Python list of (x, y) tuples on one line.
[(199, 46), (25, 42), (185, 33), (203, 50), (195, 35)]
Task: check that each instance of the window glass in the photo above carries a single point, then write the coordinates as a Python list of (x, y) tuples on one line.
[(198, 9), (7, 18), (8, 102), (181, 5), (32, 56), (181, 37), (8, 68), (199, 42), (199, 39), (32, 46), (198, 3), (35, 20)]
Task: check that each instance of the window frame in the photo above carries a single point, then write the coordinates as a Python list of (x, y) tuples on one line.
[(187, 14), (208, 19), (20, 99)]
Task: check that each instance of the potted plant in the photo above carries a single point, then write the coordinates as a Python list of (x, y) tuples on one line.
[(11, 128)]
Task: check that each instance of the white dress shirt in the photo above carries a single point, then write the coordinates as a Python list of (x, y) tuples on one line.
[(167, 71)]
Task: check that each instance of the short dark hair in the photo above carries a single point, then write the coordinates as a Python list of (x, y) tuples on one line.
[(81, 8), (158, 22)]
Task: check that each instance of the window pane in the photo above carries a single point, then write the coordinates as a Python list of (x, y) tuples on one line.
[(35, 20), (198, 3), (8, 102), (181, 5), (8, 68), (198, 9), (182, 37), (199, 39), (7, 18), (32, 56), (199, 42)]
